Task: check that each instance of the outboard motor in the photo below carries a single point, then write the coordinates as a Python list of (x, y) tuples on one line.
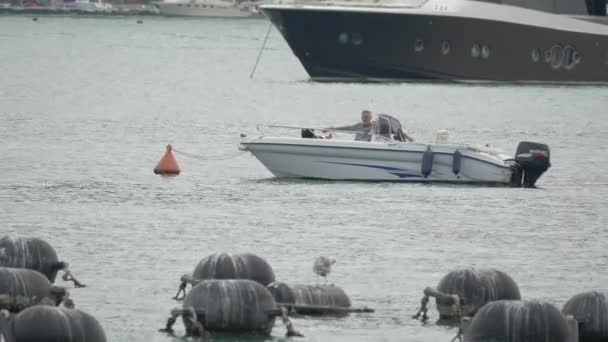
[(533, 160)]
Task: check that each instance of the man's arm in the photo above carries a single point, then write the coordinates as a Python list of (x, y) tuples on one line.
[(354, 127)]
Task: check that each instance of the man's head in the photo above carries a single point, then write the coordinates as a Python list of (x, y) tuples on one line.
[(366, 117)]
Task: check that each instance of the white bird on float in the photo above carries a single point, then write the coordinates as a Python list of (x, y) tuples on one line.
[(322, 267)]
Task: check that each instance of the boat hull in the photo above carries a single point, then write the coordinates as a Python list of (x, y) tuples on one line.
[(201, 10), (375, 162), (373, 45)]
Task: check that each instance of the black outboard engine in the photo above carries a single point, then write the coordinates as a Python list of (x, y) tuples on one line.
[(533, 159)]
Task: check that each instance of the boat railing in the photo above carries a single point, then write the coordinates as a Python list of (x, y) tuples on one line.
[(352, 3), (375, 134)]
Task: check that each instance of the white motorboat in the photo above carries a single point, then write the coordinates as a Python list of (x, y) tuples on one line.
[(393, 156), (207, 8)]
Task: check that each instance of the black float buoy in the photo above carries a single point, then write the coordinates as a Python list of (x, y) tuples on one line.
[(34, 19), (35, 254), (21, 288), (517, 321), (234, 306), (6, 330), (140, 21), (229, 266), (234, 266), (590, 309), (56, 324), (463, 292), (322, 295)]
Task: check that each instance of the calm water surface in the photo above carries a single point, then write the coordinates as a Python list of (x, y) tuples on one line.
[(88, 104)]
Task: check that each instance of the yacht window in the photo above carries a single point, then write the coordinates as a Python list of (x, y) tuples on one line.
[(475, 51), (204, 6), (179, 5), (485, 52), (357, 39), (556, 57), (418, 45), (535, 55), (343, 38), (210, 6), (445, 47), (188, 5)]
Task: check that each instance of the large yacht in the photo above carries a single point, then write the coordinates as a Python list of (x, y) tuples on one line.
[(555, 41), (206, 8)]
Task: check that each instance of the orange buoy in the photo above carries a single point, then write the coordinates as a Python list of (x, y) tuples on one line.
[(167, 164)]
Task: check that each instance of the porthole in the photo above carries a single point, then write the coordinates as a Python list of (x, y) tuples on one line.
[(418, 45), (485, 52), (556, 57), (535, 55), (568, 57), (547, 56), (356, 39), (475, 50), (576, 56), (343, 38), (445, 47)]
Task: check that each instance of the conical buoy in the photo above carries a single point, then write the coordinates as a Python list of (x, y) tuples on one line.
[(167, 164)]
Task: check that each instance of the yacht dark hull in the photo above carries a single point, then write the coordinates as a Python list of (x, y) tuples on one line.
[(372, 45)]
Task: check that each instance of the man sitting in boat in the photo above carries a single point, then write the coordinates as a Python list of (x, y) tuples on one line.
[(363, 129)]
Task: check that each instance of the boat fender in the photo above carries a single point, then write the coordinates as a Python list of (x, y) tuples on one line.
[(427, 162), (456, 162)]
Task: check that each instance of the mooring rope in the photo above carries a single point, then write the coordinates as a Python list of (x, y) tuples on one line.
[(458, 336), (210, 158), (291, 331), (67, 275), (423, 309)]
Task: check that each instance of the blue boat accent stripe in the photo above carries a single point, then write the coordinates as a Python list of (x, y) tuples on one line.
[(388, 168), (405, 175)]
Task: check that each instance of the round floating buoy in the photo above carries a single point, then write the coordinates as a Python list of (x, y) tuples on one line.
[(231, 305), (31, 253), (6, 329), (21, 288), (140, 21), (590, 309), (322, 295), (167, 164), (57, 324), (475, 288), (517, 321), (34, 19), (35, 254), (234, 266)]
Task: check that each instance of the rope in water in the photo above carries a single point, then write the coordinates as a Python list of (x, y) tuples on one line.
[(219, 157)]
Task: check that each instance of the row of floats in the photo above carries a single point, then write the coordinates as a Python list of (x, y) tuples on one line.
[(238, 293)]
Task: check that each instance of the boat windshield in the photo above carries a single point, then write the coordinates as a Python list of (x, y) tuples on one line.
[(390, 128), (396, 3)]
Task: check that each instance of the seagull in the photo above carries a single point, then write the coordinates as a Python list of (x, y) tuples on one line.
[(322, 267)]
